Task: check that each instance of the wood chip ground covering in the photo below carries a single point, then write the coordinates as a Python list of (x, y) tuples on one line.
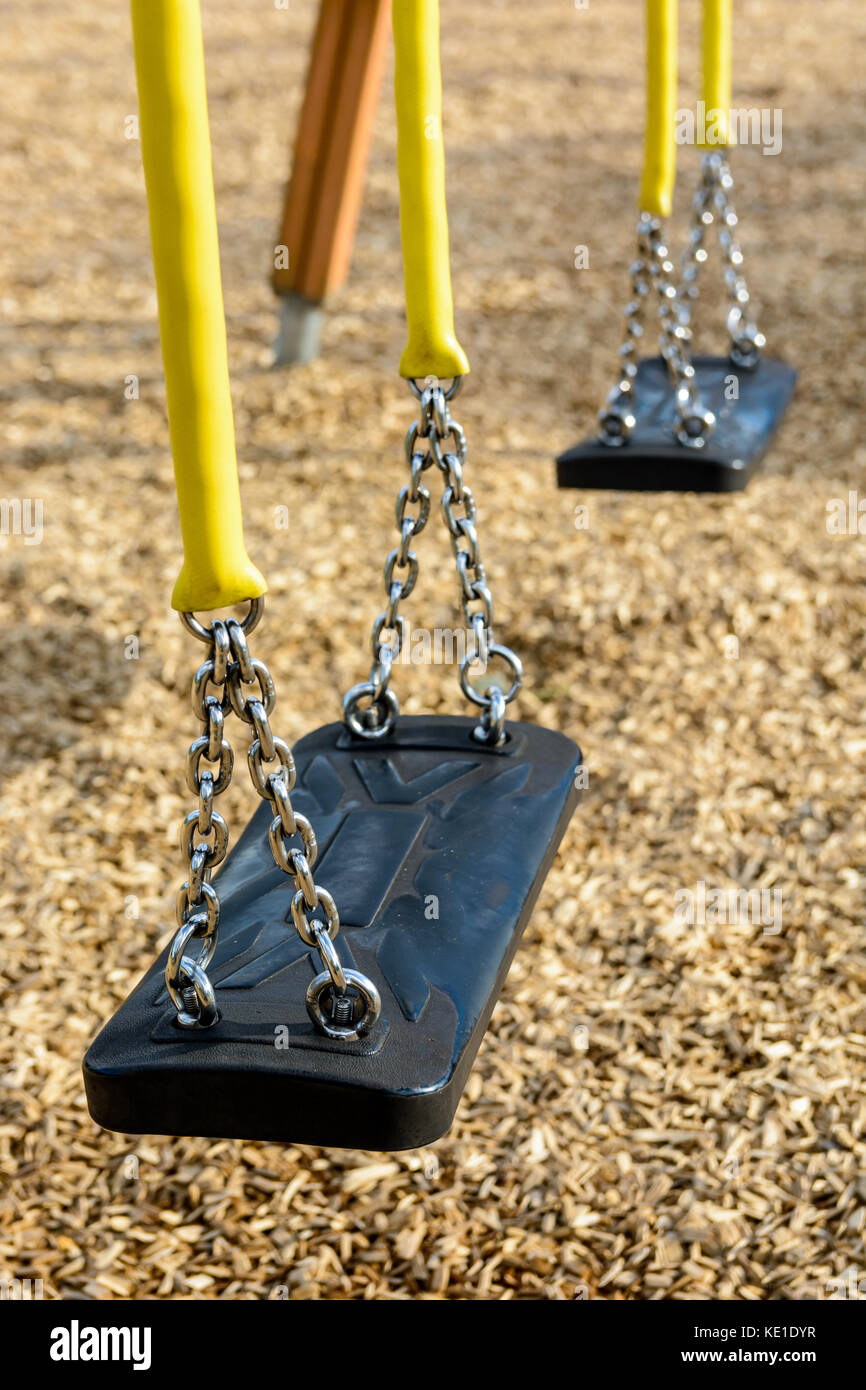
[(659, 1110)]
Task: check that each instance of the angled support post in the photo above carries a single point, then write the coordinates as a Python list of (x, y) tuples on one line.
[(332, 144)]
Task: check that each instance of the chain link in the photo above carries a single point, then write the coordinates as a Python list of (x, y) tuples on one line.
[(342, 1003), (713, 205), (435, 438), (653, 270)]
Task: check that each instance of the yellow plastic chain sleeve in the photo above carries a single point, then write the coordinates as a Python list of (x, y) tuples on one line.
[(660, 150), (432, 348), (176, 153), (717, 73)]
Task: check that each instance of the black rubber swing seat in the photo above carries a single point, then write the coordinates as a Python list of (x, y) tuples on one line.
[(435, 848), (654, 461)]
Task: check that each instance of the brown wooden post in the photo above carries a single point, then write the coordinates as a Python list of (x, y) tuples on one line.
[(323, 197)]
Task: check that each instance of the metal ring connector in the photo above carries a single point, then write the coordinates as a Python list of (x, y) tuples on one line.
[(205, 634), (615, 426), (453, 389), (355, 1029), (512, 661), (386, 710), (694, 427), (184, 975)]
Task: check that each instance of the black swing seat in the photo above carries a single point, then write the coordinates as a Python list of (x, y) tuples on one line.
[(435, 848), (654, 461)]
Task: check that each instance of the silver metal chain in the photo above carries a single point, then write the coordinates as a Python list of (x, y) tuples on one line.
[(653, 269), (712, 204), (371, 708), (342, 1003)]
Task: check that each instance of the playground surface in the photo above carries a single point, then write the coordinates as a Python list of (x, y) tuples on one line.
[(662, 1108)]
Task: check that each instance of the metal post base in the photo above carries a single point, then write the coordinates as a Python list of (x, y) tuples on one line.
[(299, 331)]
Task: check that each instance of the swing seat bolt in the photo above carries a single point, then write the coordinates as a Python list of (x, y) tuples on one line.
[(694, 428), (342, 1009), (616, 426)]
